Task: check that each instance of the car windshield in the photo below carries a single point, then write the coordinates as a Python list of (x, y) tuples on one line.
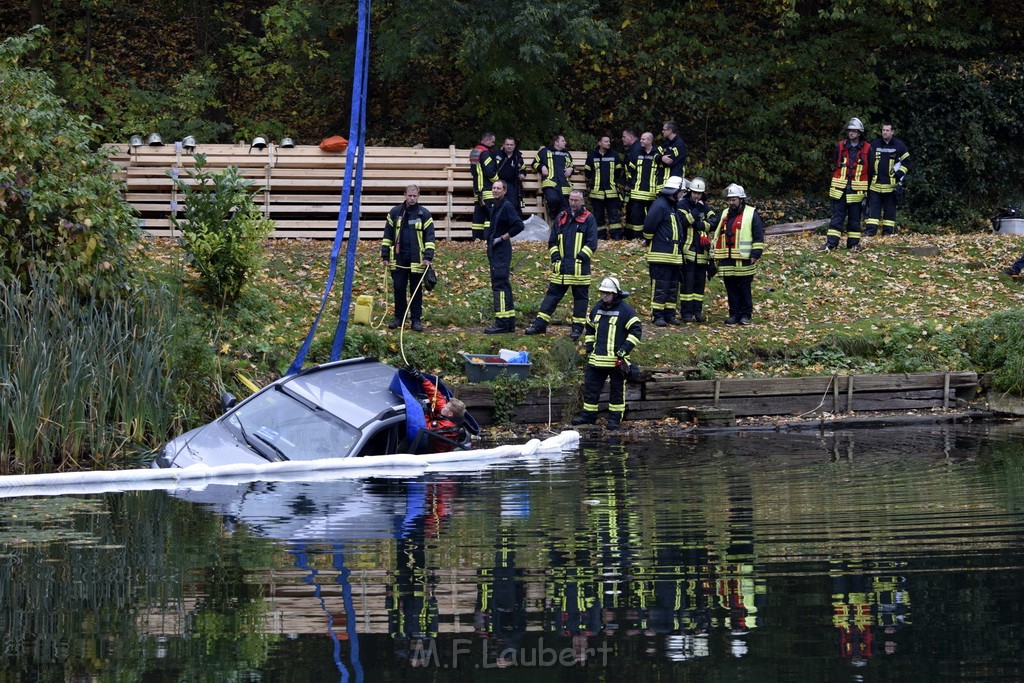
[(280, 427)]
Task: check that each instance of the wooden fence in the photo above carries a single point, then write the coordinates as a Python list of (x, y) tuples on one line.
[(661, 394), (301, 186)]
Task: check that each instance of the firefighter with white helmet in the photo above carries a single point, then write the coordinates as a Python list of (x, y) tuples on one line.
[(612, 331), (663, 230), (696, 249), (736, 247), (849, 186)]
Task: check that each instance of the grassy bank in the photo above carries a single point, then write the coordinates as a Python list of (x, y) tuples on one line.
[(894, 307)]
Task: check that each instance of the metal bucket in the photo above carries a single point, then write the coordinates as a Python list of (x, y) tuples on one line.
[(1009, 226)]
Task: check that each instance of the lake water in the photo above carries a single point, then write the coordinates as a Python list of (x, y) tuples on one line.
[(865, 555)]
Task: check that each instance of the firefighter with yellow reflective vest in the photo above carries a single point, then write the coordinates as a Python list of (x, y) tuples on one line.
[(849, 186), (604, 170), (484, 170), (554, 165), (888, 157), (736, 246), (672, 152), (571, 246), (613, 330), (407, 250), (701, 220), (663, 230), (642, 173)]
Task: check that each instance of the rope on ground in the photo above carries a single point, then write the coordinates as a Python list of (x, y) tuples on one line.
[(823, 397)]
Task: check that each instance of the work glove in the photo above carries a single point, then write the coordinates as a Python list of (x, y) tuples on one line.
[(705, 241), (621, 353), (581, 256), (496, 241), (414, 373), (589, 348)]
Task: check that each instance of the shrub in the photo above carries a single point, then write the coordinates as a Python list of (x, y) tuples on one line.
[(60, 200), (996, 345), (222, 229)]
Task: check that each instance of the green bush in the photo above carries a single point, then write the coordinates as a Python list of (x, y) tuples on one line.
[(996, 345), (60, 200), (222, 229)]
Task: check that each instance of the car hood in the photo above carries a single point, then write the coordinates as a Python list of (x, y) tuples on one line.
[(211, 445)]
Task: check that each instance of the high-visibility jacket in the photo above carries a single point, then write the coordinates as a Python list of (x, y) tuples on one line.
[(611, 332), (484, 171), (603, 170), (663, 231), (571, 245), (676, 149), (851, 169), (408, 237), (556, 161), (701, 220), (738, 238), (888, 164), (645, 172)]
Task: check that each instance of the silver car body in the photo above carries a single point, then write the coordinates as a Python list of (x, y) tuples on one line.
[(339, 409)]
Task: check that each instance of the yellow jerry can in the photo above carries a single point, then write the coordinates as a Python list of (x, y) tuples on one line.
[(364, 309)]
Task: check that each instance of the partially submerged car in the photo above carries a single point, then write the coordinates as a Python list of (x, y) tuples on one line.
[(336, 410)]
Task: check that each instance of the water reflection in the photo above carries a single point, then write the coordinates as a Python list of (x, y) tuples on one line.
[(751, 557)]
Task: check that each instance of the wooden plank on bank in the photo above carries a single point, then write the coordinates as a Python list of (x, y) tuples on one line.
[(784, 386)]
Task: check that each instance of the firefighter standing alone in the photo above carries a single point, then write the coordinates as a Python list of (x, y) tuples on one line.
[(613, 330)]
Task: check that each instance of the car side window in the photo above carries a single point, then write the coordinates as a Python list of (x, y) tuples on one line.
[(384, 441)]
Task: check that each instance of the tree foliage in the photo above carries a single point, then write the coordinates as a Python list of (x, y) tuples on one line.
[(60, 199), (760, 89)]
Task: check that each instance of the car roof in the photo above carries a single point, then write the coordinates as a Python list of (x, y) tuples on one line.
[(355, 390)]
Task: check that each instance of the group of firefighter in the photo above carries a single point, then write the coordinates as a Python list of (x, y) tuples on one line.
[(641, 194)]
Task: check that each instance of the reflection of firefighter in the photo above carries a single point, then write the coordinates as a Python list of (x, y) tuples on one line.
[(571, 605), (411, 603), (863, 602), (501, 601)]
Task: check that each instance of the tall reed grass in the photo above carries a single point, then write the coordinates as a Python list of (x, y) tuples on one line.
[(83, 382)]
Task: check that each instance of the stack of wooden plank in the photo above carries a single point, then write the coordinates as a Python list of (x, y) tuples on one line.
[(300, 187)]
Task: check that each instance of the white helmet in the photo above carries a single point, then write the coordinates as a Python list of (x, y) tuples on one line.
[(154, 140), (610, 284), (258, 142), (734, 190), (855, 124), (673, 185), (698, 185)]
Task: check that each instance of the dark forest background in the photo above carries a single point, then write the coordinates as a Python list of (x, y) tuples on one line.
[(761, 89)]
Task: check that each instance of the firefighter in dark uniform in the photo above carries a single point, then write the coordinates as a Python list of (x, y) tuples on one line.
[(613, 330), (511, 169), (554, 165), (643, 171), (484, 171), (407, 250), (888, 162), (701, 220), (571, 245), (505, 224), (849, 186), (663, 230), (604, 171), (736, 247), (672, 159)]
